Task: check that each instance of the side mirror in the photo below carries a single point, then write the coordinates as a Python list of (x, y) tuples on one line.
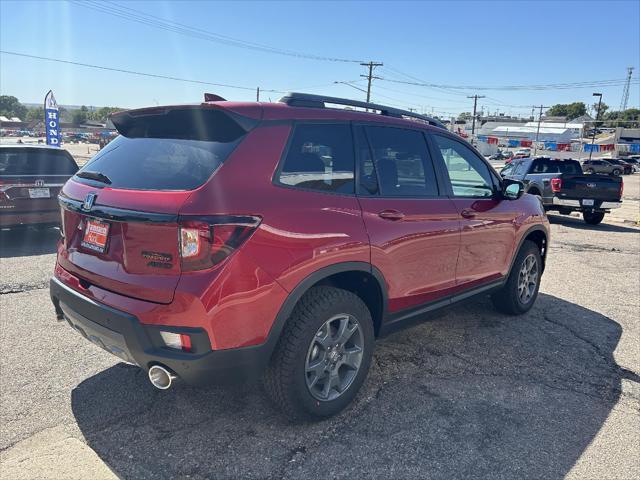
[(513, 190)]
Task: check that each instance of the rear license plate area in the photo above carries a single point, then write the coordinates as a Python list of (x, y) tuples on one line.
[(587, 202), (96, 235), (39, 193)]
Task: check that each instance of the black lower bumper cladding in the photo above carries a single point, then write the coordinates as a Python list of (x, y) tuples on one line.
[(123, 335)]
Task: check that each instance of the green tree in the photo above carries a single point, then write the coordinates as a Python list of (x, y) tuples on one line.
[(569, 110), (11, 107), (80, 116), (35, 114), (629, 118), (465, 116)]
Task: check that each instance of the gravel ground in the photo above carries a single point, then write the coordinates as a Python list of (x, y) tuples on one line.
[(470, 393)]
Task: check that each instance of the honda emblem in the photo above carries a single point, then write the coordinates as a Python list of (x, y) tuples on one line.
[(591, 185), (89, 200)]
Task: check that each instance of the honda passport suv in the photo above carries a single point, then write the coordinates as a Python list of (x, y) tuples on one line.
[(231, 241)]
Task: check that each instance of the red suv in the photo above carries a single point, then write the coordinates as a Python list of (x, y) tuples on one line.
[(228, 241)]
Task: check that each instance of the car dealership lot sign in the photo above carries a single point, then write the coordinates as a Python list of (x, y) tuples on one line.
[(52, 119)]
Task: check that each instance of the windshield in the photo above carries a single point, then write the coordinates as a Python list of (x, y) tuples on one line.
[(157, 163), (33, 161)]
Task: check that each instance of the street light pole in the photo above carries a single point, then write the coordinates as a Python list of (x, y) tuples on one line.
[(593, 136)]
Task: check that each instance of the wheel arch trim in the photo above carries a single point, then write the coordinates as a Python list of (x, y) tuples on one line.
[(325, 272)]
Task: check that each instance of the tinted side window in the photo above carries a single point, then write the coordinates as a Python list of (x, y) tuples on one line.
[(368, 177), (468, 174), (320, 157), (25, 161), (402, 162)]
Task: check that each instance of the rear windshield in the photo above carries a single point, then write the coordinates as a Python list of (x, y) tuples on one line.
[(172, 149), (544, 165), (24, 161), (158, 163)]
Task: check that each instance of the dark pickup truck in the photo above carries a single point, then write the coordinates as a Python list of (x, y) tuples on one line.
[(564, 188)]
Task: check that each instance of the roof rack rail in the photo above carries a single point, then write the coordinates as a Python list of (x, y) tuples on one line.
[(295, 99)]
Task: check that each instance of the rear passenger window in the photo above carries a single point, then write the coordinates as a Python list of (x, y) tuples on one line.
[(402, 162), (320, 157)]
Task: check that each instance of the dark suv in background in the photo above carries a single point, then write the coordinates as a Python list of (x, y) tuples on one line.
[(30, 179), (281, 239)]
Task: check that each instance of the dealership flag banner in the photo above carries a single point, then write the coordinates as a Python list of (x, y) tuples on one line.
[(52, 119)]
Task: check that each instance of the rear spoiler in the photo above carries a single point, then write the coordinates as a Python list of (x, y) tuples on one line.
[(205, 122)]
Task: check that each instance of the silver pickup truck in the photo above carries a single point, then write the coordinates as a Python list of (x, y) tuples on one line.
[(564, 188)]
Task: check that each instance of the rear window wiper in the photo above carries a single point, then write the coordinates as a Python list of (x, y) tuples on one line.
[(97, 176)]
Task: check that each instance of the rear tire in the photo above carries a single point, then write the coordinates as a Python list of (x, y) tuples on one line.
[(519, 293), (310, 355), (593, 218), (589, 170)]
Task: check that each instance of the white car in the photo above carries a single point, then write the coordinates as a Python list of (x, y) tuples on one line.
[(523, 152)]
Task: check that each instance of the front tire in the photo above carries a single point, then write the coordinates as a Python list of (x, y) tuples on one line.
[(519, 293), (617, 172), (593, 218), (323, 354)]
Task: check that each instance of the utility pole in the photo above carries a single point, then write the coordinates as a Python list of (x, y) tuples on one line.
[(473, 121), (535, 148), (594, 127), (625, 92), (371, 66), (257, 94)]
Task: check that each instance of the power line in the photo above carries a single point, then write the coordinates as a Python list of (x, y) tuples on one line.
[(551, 86), (141, 17), (133, 72)]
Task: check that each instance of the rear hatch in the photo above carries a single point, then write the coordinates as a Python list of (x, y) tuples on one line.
[(121, 225), (597, 187), (31, 178)]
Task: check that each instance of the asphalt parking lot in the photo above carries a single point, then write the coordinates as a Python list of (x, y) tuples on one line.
[(471, 393)]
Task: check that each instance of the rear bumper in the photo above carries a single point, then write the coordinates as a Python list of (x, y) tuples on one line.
[(11, 219), (123, 335), (560, 202)]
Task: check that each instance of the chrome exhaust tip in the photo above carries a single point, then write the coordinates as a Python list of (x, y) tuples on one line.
[(160, 377)]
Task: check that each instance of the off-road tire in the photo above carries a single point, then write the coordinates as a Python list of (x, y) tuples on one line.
[(506, 300), (593, 218), (284, 379)]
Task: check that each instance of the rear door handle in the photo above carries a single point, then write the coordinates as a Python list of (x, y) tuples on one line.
[(466, 213), (391, 215)]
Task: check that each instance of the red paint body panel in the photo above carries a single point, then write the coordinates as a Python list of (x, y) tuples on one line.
[(416, 254)]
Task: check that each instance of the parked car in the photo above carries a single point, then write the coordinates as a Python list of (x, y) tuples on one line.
[(601, 166), (563, 187), (304, 233), (634, 162), (627, 168), (522, 153), (30, 178)]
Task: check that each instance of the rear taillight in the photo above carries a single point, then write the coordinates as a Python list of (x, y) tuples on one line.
[(621, 187), (556, 185), (207, 241)]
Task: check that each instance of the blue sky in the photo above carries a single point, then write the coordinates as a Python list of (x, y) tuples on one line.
[(446, 43)]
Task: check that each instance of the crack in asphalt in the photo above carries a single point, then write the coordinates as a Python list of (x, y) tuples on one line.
[(21, 288)]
